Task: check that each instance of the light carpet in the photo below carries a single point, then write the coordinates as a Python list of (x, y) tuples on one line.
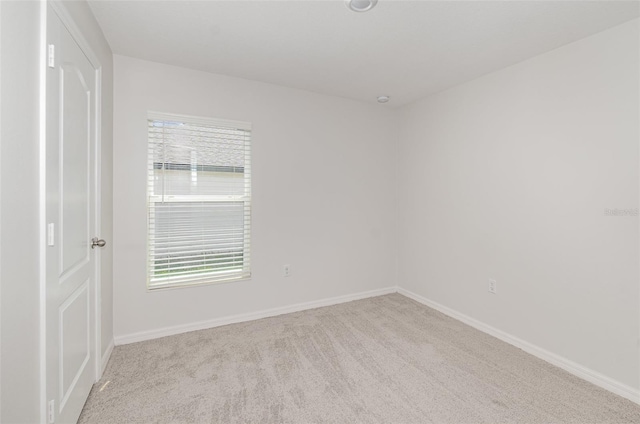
[(386, 359)]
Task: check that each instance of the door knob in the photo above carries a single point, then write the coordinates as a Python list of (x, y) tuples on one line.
[(97, 242)]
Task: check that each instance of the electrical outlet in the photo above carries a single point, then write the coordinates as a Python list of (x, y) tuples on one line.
[(286, 270), (492, 286)]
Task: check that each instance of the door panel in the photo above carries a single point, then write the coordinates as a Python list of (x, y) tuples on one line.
[(71, 213), (74, 339), (74, 200)]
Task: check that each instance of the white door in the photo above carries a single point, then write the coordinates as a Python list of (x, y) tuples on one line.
[(70, 217)]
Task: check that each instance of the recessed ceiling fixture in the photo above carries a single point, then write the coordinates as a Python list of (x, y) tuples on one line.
[(361, 5), (383, 99)]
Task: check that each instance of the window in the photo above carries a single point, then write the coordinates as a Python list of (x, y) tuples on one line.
[(199, 200)]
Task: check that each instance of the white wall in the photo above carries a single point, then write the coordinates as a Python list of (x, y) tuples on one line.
[(19, 241), (508, 176), (19, 204), (323, 173)]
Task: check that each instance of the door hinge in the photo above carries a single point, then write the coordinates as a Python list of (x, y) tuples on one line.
[(51, 237), (51, 411), (51, 56)]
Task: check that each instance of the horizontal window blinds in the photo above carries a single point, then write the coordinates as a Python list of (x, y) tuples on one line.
[(199, 201)]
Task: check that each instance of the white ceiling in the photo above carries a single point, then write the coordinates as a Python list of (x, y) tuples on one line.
[(405, 49)]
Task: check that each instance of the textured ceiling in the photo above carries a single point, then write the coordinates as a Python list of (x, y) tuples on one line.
[(405, 49)]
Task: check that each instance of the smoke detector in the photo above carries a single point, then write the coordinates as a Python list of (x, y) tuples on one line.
[(361, 5)]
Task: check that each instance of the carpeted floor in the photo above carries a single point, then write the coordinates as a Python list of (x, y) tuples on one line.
[(386, 359)]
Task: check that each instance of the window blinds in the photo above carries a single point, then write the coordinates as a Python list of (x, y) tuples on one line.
[(199, 200)]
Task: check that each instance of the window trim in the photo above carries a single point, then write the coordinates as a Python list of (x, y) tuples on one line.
[(246, 200)]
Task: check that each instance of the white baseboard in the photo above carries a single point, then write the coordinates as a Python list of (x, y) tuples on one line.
[(106, 356), (578, 370), (217, 322)]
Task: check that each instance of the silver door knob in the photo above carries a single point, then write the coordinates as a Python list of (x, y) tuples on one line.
[(95, 242)]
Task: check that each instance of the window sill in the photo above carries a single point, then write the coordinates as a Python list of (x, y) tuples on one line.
[(191, 284)]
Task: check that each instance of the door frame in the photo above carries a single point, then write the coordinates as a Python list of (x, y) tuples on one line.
[(61, 11)]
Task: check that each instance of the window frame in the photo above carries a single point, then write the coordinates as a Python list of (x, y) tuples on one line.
[(195, 280)]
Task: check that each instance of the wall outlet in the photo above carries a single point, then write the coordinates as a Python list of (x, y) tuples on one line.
[(286, 270), (492, 286)]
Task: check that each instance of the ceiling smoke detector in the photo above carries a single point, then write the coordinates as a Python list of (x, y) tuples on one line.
[(361, 5), (383, 99)]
